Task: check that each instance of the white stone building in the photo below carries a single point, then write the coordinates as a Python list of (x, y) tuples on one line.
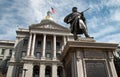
[(37, 50), (6, 49)]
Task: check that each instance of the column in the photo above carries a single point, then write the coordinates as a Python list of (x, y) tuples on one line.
[(112, 66), (14, 50), (29, 45), (33, 45), (54, 70), (44, 46), (6, 54), (64, 38), (54, 47), (68, 38), (11, 71), (27, 70), (13, 56), (64, 42), (79, 55), (42, 70)]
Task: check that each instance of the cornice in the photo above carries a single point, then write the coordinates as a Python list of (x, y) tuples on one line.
[(74, 45), (39, 61)]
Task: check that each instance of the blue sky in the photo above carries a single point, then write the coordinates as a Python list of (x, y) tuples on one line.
[(103, 17)]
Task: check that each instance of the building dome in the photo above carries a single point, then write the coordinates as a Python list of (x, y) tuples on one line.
[(48, 17)]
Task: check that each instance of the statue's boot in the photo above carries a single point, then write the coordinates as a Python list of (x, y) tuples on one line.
[(86, 34)]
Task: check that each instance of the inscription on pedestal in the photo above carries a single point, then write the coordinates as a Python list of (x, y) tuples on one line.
[(96, 69), (94, 54)]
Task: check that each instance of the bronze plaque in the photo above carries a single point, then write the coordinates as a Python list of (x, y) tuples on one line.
[(96, 69)]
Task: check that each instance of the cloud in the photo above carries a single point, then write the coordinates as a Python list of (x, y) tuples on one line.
[(9, 35), (104, 31), (115, 15), (113, 3), (113, 38), (102, 18)]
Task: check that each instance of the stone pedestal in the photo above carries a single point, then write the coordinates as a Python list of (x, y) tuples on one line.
[(88, 59)]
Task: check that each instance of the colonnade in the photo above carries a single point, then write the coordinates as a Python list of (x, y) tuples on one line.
[(31, 45)]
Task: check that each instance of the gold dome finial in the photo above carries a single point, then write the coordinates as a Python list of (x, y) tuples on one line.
[(49, 16)]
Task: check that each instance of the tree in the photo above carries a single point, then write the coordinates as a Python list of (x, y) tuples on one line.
[(117, 60)]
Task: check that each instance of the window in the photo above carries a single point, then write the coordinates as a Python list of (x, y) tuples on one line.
[(58, 45), (0, 51), (38, 55), (10, 52), (23, 53), (48, 71), (3, 51), (20, 69), (25, 42), (39, 44), (48, 45), (58, 55), (48, 55)]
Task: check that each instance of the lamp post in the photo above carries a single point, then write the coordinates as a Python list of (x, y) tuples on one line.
[(25, 71)]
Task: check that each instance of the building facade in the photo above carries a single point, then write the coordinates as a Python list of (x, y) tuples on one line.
[(37, 50), (6, 49)]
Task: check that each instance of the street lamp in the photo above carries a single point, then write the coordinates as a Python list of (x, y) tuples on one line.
[(25, 71)]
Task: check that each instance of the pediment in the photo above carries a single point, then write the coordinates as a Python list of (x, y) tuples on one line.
[(48, 24)]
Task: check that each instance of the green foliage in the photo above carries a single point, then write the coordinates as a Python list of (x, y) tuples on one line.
[(117, 65), (3, 66)]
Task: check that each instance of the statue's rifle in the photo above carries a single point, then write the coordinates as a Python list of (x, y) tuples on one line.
[(83, 18), (85, 10), (75, 16)]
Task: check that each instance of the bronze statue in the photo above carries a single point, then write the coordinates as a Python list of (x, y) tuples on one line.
[(77, 23)]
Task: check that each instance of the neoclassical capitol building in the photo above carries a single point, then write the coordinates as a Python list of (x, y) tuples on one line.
[(37, 51)]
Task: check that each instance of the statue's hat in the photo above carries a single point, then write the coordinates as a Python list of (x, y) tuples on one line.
[(74, 9)]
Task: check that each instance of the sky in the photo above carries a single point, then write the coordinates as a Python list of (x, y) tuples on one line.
[(103, 17)]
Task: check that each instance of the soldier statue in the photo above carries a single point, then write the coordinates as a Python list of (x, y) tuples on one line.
[(77, 23)]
